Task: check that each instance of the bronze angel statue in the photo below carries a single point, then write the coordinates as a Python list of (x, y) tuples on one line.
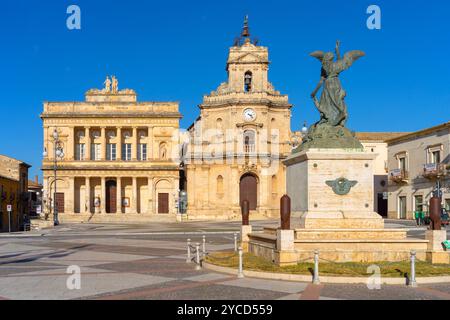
[(331, 106)]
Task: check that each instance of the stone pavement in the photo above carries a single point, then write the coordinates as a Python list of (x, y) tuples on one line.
[(141, 262)]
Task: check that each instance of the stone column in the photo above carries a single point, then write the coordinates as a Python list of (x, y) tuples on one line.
[(87, 196), (71, 200), (235, 186), (103, 152), (150, 148), (46, 144), (119, 195), (87, 137), (134, 196), (150, 196), (103, 196), (134, 144), (71, 144), (119, 144), (190, 175), (264, 190)]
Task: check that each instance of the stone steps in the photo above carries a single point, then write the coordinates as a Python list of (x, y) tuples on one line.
[(350, 234)]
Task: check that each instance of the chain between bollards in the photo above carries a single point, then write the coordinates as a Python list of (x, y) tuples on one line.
[(188, 259), (316, 279), (240, 267), (412, 278), (197, 257)]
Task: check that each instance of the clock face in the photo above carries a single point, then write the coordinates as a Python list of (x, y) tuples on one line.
[(249, 115)]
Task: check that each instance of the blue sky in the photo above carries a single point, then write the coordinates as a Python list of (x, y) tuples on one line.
[(176, 51)]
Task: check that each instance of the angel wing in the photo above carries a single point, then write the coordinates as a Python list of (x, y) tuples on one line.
[(353, 183), (331, 183), (318, 54), (351, 57)]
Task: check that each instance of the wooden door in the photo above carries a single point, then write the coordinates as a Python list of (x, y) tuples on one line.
[(382, 205), (59, 197), (249, 191), (111, 197), (402, 207), (163, 203)]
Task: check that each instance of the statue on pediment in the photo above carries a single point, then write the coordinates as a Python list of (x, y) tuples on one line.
[(107, 84), (115, 84)]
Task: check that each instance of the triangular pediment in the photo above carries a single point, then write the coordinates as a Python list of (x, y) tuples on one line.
[(248, 58)]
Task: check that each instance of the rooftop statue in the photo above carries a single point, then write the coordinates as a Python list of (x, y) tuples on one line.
[(330, 130)]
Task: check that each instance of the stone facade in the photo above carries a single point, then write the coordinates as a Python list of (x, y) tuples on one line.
[(415, 161), (237, 144), (375, 142), (13, 191), (120, 157)]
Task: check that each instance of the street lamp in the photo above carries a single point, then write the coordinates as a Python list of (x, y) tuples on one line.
[(304, 130), (58, 153)]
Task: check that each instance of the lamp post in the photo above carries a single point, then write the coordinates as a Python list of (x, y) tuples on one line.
[(58, 153), (304, 130)]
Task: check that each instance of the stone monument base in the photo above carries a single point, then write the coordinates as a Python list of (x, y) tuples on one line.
[(337, 245), (435, 251), (338, 220), (332, 192)]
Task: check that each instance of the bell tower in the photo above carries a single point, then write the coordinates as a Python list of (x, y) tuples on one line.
[(238, 142), (247, 64)]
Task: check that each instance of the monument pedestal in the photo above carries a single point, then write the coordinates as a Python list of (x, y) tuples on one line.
[(333, 192), (435, 251), (333, 188)]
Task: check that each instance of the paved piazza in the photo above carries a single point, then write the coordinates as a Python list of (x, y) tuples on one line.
[(148, 262)]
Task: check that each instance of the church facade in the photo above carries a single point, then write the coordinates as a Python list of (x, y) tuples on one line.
[(237, 144)]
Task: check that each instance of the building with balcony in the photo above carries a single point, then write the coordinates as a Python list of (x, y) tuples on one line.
[(117, 158), (237, 145), (417, 162), (375, 142), (13, 192)]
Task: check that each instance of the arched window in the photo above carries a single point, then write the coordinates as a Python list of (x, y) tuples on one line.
[(219, 127), (219, 185), (219, 124), (249, 141), (248, 81)]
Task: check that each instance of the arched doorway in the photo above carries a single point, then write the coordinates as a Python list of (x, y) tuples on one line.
[(248, 190), (111, 196)]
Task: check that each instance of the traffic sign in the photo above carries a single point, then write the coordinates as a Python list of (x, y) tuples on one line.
[(9, 208)]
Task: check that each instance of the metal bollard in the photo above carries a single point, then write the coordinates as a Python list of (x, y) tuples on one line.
[(240, 268), (204, 247), (197, 257), (316, 279), (235, 242), (412, 278), (188, 259)]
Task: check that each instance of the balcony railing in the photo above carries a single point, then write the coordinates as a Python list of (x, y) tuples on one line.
[(434, 170), (249, 148), (398, 175)]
